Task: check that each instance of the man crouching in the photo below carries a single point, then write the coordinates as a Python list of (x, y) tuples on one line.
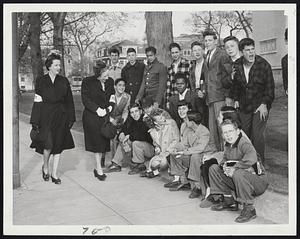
[(240, 171)]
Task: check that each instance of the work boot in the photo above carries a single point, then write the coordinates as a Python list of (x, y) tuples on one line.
[(210, 200), (195, 193), (248, 213), (228, 204), (138, 168)]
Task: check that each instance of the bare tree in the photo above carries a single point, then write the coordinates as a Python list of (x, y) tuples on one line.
[(159, 32), (35, 47), (84, 32), (245, 19), (58, 20), (23, 25)]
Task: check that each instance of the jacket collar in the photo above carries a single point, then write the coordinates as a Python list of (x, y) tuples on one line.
[(235, 144)]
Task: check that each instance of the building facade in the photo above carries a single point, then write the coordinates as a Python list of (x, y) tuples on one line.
[(268, 34), (102, 53)]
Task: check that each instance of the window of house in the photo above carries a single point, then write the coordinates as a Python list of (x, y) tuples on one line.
[(22, 79), (268, 46), (69, 51)]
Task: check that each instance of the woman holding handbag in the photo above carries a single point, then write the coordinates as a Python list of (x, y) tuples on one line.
[(96, 97), (52, 116)]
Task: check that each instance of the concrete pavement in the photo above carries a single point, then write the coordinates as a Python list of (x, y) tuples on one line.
[(120, 200)]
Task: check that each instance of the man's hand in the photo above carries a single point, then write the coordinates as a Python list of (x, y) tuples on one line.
[(286, 92), (155, 105), (228, 171), (168, 105), (263, 111), (228, 101), (137, 101), (157, 150), (101, 112)]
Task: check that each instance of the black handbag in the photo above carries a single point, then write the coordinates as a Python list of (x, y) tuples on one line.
[(108, 130)]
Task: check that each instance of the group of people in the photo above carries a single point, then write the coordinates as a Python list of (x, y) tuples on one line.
[(204, 119)]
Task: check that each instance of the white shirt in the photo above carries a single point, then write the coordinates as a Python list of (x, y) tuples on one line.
[(247, 70), (198, 71), (182, 96), (211, 53), (176, 66)]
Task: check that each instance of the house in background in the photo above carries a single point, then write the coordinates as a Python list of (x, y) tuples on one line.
[(102, 53), (268, 33), (185, 41)]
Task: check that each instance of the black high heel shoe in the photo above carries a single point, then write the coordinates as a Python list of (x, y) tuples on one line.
[(100, 177), (45, 175), (56, 180)]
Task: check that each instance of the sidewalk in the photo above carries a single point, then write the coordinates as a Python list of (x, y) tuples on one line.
[(120, 200)]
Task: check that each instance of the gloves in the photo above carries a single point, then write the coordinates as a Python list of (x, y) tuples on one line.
[(70, 124), (101, 112)]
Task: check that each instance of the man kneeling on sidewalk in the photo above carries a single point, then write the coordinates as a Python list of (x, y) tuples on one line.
[(134, 139), (240, 176)]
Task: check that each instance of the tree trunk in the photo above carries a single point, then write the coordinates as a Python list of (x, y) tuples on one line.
[(242, 23), (15, 99), (58, 19), (35, 47), (159, 32)]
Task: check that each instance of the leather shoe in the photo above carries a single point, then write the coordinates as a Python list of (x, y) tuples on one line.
[(45, 175), (209, 201), (196, 192), (113, 168), (56, 180), (137, 169), (228, 204), (151, 175), (144, 174), (246, 215), (181, 186), (100, 177), (172, 184)]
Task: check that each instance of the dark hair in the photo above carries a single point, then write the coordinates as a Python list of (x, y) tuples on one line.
[(231, 38), (194, 116), (286, 34), (120, 79), (114, 50), (183, 102), (231, 113), (150, 48), (130, 49), (196, 43), (181, 75), (209, 32), (133, 105), (50, 59), (229, 121), (173, 45), (246, 42)]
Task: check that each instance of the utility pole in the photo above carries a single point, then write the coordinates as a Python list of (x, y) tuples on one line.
[(15, 103)]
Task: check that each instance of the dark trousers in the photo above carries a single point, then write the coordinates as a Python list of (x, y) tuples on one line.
[(205, 169), (245, 184), (255, 130)]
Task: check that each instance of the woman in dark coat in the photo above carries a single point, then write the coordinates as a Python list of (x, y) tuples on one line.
[(96, 97), (53, 115)]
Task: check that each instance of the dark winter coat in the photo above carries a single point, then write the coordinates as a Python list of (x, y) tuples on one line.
[(53, 114), (93, 96), (133, 74)]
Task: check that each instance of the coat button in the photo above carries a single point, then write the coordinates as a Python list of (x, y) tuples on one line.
[(130, 83), (130, 92)]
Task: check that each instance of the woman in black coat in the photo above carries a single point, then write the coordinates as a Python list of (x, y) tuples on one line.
[(96, 97), (52, 116)]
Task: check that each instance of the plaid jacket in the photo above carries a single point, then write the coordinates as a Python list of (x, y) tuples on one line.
[(258, 90), (184, 67)]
